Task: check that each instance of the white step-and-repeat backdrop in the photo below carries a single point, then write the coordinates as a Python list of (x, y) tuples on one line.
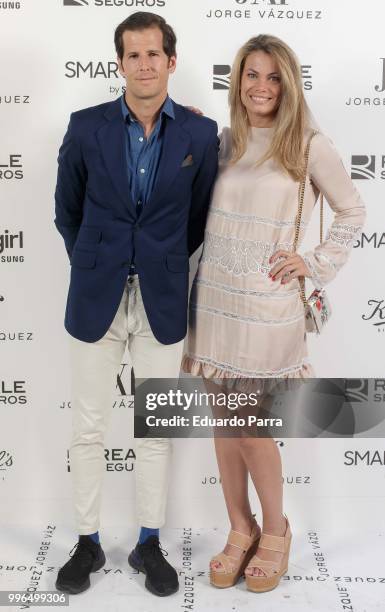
[(57, 56)]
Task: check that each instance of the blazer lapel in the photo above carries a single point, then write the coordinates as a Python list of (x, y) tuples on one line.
[(112, 141)]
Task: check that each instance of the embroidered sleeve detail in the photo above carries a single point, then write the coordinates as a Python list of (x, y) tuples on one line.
[(329, 257), (345, 235)]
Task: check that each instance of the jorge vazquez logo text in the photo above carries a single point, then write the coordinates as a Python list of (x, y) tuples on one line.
[(379, 87), (14, 99), (267, 10)]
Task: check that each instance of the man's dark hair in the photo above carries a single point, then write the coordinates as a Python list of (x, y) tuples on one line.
[(141, 21)]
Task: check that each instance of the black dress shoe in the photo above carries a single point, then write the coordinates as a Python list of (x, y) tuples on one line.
[(74, 576), (161, 578)]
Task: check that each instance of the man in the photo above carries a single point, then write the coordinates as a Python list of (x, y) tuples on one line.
[(133, 188)]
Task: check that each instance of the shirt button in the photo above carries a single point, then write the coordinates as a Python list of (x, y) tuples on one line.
[(141, 139), (142, 171)]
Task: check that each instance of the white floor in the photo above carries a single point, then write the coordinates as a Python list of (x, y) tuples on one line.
[(328, 571)]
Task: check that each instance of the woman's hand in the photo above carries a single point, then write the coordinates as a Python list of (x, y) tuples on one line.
[(291, 267)]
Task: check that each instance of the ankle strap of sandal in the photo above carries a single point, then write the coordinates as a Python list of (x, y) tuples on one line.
[(240, 540), (272, 542)]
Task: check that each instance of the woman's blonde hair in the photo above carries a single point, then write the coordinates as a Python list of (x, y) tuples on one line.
[(292, 114)]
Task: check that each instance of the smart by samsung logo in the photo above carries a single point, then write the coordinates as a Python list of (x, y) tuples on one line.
[(368, 457), (10, 5)]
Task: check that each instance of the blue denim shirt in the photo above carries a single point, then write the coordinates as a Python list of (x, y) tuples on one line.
[(143, 154)]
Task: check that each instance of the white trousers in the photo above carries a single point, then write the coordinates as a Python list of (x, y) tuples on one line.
[(94, 368)]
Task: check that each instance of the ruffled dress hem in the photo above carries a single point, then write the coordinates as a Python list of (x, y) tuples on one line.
[(209, 369)]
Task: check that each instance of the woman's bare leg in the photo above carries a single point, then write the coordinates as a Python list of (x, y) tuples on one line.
[(263, 461), (234, 477), (237, 457), (234, 480)]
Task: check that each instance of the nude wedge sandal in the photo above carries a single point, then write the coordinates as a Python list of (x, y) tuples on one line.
[(233, 568), (273, 570)]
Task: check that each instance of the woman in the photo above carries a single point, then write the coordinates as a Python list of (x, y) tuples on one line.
[(246, 314)]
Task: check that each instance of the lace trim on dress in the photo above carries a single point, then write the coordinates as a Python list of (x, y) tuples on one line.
[(254, 218), (240, 257), (344, 235), (210, 368), (234, 291), (255, 320)]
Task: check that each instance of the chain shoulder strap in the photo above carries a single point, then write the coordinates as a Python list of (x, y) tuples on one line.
[(301, 195)]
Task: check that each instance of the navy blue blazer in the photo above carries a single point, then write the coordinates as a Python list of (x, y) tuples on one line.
[(97, 218)]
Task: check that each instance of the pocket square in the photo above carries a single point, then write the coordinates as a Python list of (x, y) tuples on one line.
[(188, 161)]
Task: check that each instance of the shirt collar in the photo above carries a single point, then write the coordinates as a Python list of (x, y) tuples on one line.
[(167, 109)]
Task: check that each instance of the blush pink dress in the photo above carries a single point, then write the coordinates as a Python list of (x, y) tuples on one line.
[(241, 323)]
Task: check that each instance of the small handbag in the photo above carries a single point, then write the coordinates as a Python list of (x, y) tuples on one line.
[(317, 306)]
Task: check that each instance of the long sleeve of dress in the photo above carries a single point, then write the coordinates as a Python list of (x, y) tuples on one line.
[(329, 176)]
